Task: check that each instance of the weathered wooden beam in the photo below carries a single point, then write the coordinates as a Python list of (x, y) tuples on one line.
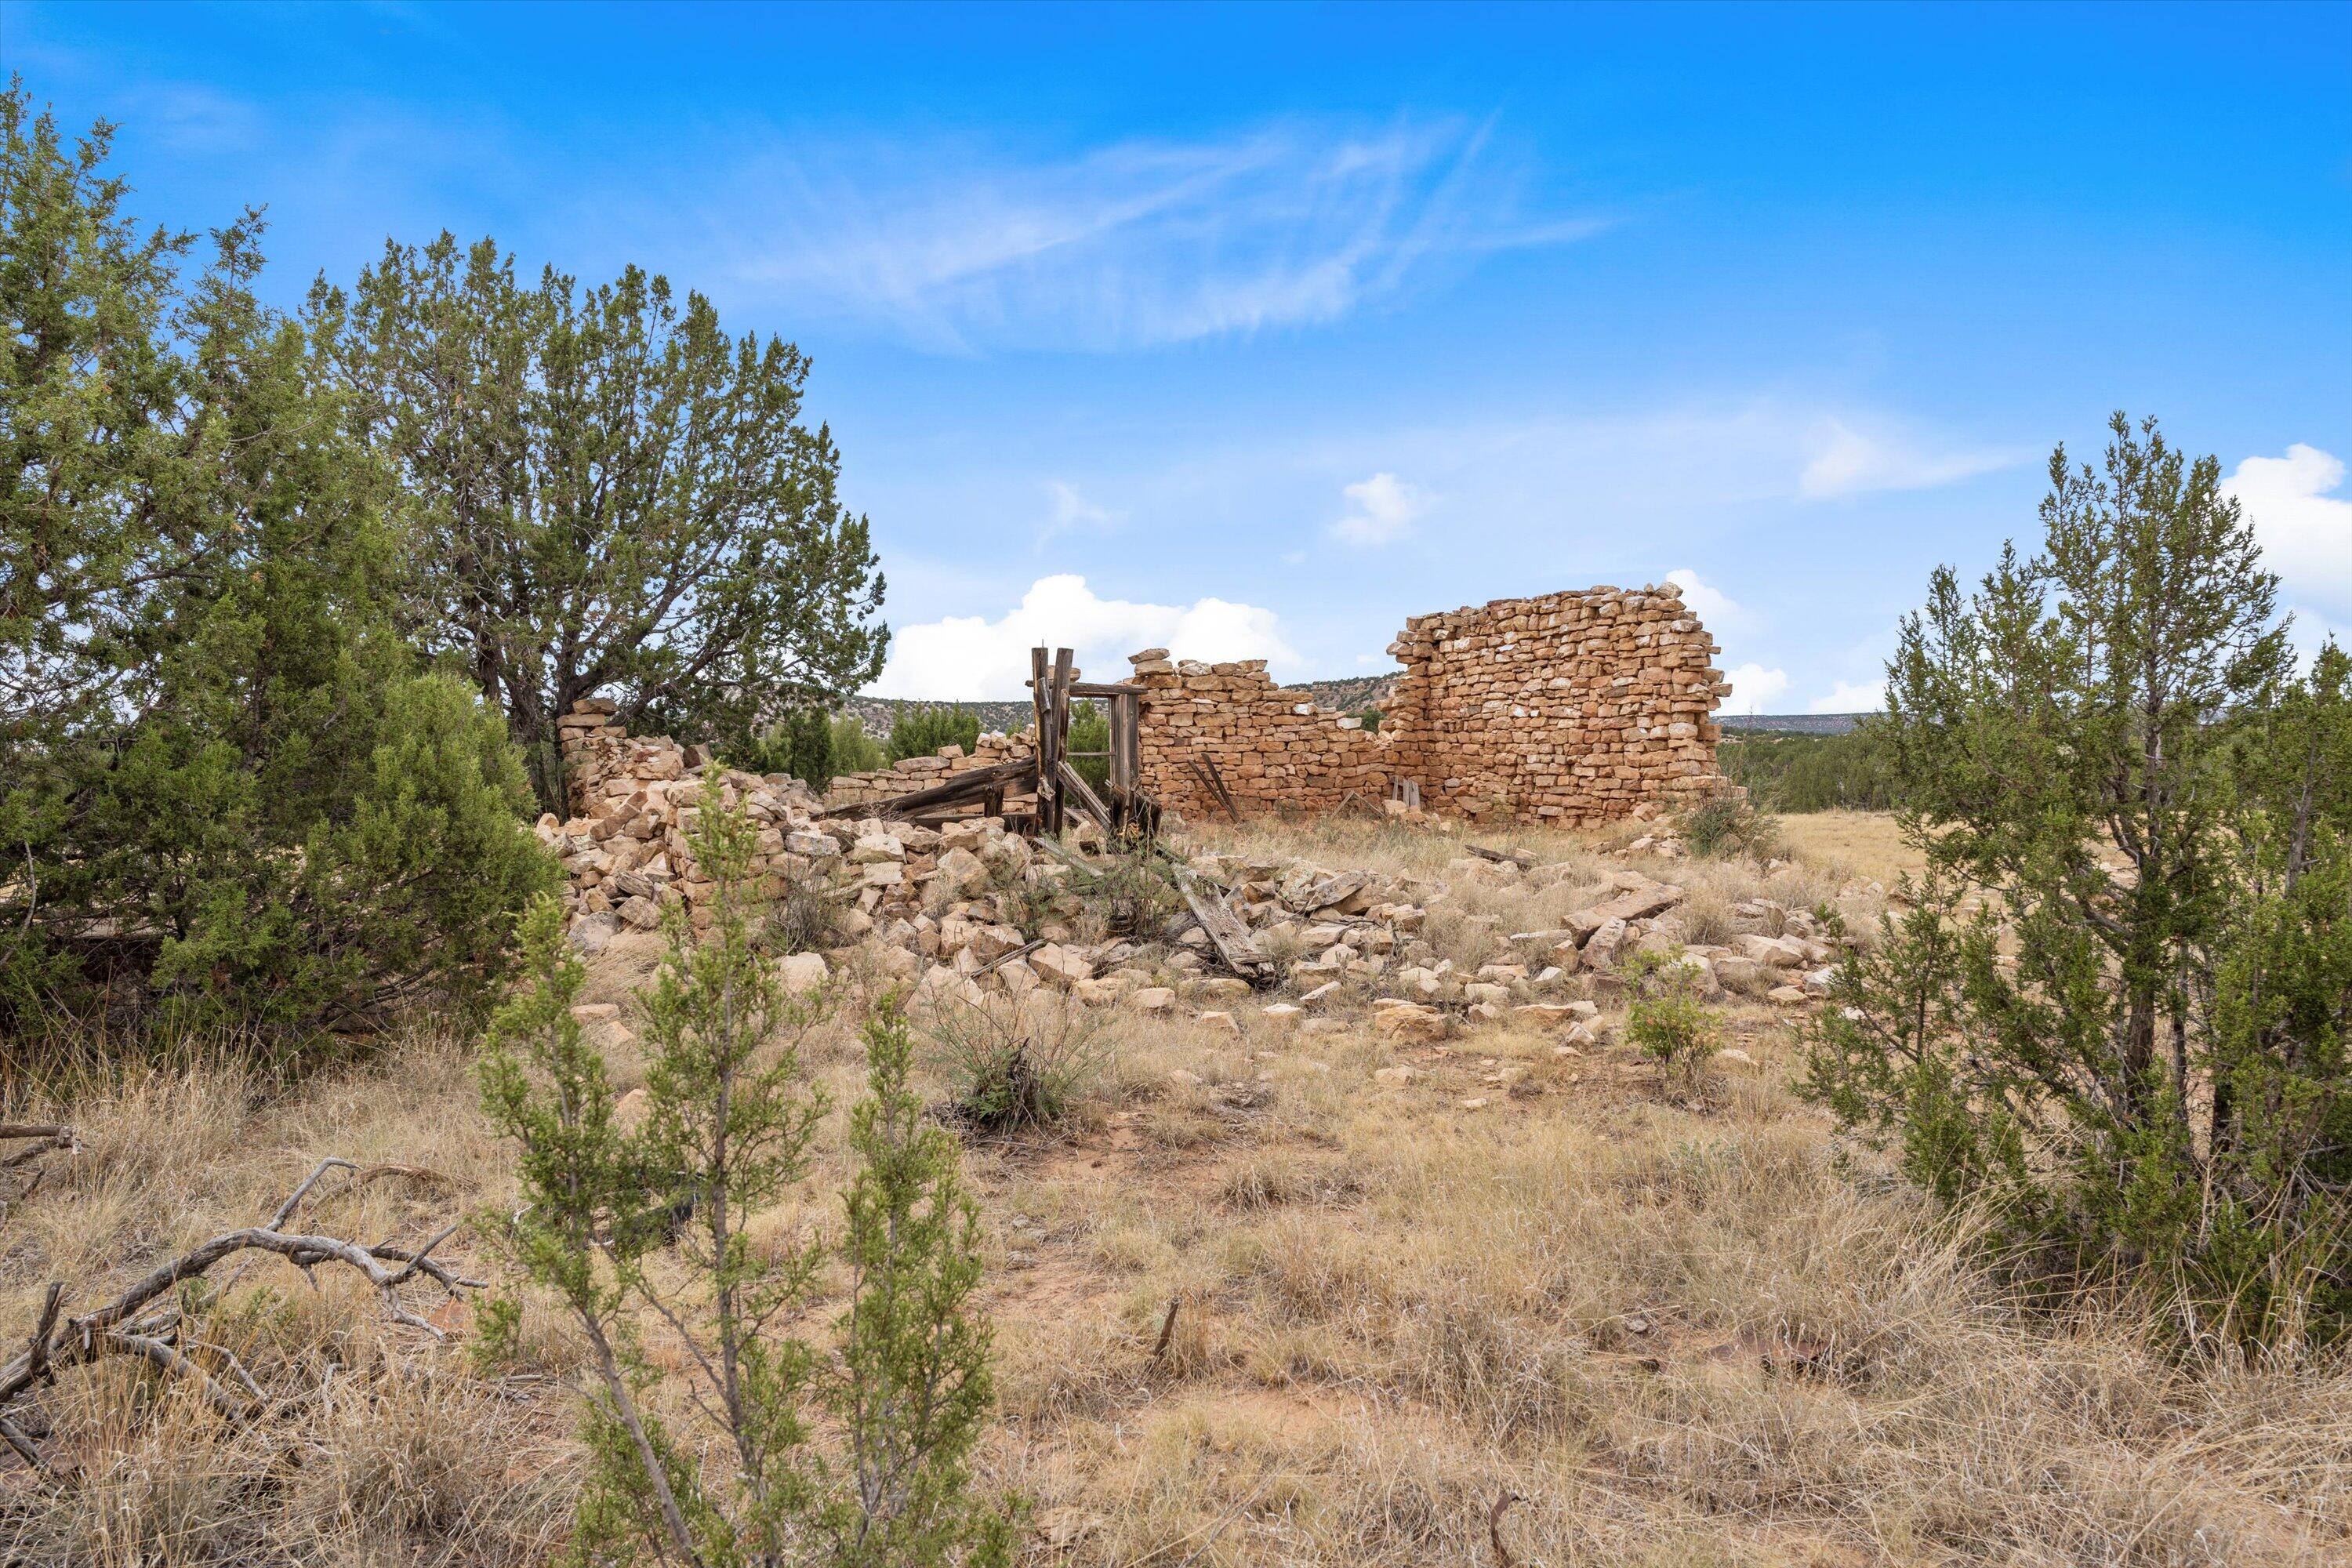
[(1082, 795), (972, 785)]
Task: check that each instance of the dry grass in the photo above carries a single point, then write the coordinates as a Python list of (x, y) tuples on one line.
[(1681, 1335)]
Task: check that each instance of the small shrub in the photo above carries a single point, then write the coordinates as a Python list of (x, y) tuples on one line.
[(805, 916), (1725, 825), (1014, 1064), (1667, 1018), (855, 750), (1131, 893)]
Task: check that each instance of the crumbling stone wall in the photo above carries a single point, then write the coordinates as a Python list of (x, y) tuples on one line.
[(1273, 748), (1571, 708)]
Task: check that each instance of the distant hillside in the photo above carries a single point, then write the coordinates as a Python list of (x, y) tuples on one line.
[(1792, 724)]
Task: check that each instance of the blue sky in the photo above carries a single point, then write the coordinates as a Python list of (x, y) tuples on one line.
[(1261, 328)]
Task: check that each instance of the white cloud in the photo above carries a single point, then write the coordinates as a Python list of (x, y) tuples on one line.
[(1383, 507), (1752, 686), (2305, 532), (1137, 243), (1846, 461), (1849, 697), (973, 658), (1073, 511), (1715, 608)]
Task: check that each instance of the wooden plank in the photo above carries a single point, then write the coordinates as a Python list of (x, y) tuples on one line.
[(1002, 959), (1102, 689), (1520, 857), (1082, 795), (1041, 698), (1227, 934)]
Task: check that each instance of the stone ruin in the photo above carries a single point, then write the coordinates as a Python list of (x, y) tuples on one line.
[(1569, 709)]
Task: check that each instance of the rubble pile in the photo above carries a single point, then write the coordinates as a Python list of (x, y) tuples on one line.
[(968, 907)]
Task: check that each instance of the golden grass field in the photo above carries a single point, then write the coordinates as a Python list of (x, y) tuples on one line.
[(1675, 1333)]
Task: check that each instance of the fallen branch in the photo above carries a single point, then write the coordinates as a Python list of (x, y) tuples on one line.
[(1167, 1330), (1495, 1528), (117, 1329)]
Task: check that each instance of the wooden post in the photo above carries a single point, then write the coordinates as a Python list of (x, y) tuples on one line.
[(1041, 698), (1061, 722)]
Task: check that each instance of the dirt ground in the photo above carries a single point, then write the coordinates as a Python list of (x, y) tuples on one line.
[(1650, 1329)]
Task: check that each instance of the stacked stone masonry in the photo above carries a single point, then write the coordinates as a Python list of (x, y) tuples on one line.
[(1571, 708)]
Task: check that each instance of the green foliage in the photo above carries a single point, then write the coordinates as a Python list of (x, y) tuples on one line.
[(239, 798), (855, 750), (1668, 1019), (1371, 717), (601, 490), (1013, 1066), (1725, 823), (2134, 1052), (913, 1387), (1853, 771), (727, 1132), (1090, 731), (800, 745), (919, 730)]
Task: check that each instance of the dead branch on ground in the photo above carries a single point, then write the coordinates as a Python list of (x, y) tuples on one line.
[(142, 1321)]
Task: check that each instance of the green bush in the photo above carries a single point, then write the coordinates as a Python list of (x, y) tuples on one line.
[(238, 797), (855, 750), (1725, 823), (847, 1448), (919, 730), (2132, 1054), (1012, 1068), (1668, 1019)]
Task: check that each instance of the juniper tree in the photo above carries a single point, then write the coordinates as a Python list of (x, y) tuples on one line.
[(226, 781), (603, 491), (726, 1134), (2105, 740)]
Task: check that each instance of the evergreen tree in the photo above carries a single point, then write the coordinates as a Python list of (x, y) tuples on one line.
[(2107, 739), (235, 790), (919, 730), (603, 491)]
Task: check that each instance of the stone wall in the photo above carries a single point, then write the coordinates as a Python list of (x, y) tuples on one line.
[(1571, 708), (1273, 748)]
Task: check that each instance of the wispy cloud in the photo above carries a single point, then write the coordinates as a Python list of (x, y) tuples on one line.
[(1847, 461), (1379, 510), (960, 249), (1073, 512)]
